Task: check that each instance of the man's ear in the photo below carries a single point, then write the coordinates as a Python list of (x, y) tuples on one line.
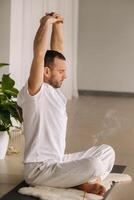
[(47, 72)]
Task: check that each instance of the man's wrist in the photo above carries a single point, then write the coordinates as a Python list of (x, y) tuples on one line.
[(57, 26), (45, 24)]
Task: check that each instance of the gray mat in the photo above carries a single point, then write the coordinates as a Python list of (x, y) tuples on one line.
[(14, 195)]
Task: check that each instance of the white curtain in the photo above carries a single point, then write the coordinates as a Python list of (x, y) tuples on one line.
[(25, 15)]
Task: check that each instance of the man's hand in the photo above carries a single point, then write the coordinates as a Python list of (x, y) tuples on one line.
[(51, 18), (56, 16)]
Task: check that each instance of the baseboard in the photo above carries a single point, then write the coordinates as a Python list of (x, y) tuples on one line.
[(105, 93)]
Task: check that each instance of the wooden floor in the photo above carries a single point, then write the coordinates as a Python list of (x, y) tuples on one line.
[(92, 120)]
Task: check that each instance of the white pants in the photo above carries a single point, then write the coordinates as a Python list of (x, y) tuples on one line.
[(75, 169)]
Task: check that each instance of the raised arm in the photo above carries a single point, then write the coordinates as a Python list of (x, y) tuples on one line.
[(57, 42), (40, 47)]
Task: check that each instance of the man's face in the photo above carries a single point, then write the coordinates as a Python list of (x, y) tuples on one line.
[(57, 73)]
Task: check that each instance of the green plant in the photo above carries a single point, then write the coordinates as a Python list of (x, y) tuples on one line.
[(8, 104)]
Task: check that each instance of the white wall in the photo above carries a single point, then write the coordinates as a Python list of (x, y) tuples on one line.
[(106, 45), (4, 33)]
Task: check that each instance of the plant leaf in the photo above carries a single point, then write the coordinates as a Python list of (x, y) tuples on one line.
[(7, 82), (3, 64), (12, 92), (8, 105)]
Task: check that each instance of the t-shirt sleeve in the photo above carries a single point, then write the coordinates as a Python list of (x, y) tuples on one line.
[(24, 95)]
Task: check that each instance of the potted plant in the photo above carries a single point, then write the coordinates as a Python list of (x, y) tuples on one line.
[(9, 110)]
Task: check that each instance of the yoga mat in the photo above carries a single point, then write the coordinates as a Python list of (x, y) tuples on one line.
[(14, 195), (116, 169)]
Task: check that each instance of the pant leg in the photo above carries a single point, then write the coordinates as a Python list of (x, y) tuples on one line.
[(104, 153), (65, 174)]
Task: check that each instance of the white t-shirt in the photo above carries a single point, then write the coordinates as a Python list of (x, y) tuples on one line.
[(45, 122)]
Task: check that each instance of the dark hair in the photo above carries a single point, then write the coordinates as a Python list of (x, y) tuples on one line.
[(50, 55)]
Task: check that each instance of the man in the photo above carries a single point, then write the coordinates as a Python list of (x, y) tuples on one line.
[(45, 120)]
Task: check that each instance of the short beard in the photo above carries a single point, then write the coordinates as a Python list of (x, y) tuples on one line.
[(54, 85)]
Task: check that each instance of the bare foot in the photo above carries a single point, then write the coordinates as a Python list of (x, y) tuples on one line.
[(94, 188)]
